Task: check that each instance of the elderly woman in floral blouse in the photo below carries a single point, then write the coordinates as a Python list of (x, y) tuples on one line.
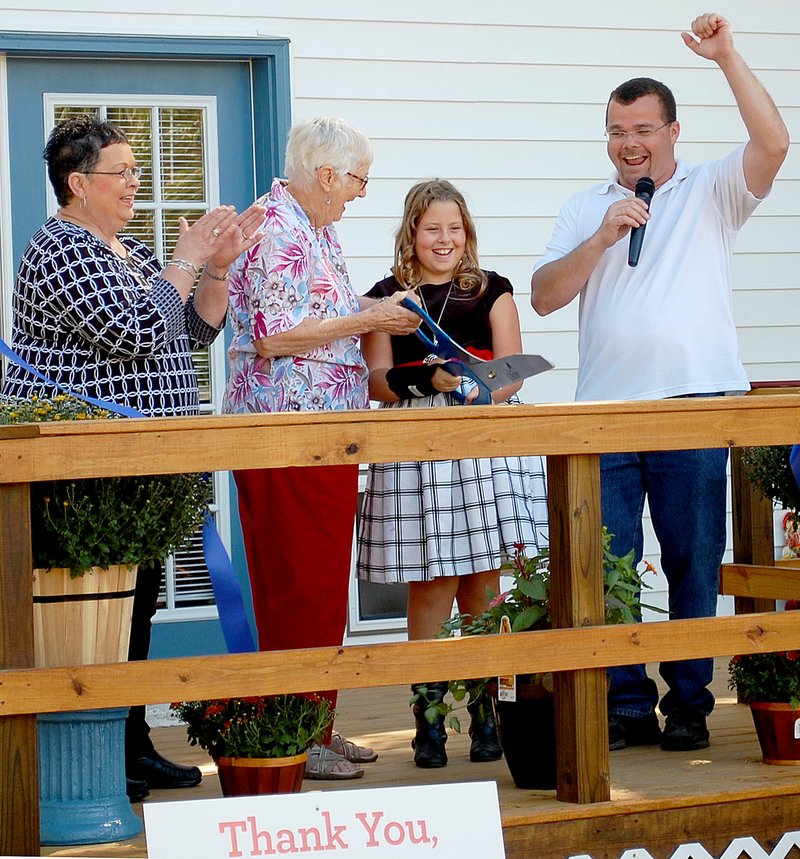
[(296, 323)]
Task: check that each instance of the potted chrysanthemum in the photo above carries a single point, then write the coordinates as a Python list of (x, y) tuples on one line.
[(89, 536), (259, 744)]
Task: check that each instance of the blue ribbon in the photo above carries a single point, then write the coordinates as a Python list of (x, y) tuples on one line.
[(227, 593), (794, 461), (225, 584), (128, 412)]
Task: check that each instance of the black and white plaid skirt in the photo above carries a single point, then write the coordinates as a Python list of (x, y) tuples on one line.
[(422, 520)]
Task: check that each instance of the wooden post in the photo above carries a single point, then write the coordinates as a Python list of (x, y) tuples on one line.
[(752, 530), (576, 599), (19, 784)]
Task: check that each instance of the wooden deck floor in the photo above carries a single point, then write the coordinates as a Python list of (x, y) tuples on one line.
[(649, 787)]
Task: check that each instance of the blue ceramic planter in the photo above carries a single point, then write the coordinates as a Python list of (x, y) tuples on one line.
[(82, 778)]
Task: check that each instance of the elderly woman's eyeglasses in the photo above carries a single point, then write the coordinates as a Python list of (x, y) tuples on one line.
[(127, 174), (362, 179)]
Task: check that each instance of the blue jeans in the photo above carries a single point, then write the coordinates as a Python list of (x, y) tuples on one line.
[(686, 492)]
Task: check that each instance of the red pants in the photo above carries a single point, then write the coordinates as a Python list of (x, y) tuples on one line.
[(298, 535)]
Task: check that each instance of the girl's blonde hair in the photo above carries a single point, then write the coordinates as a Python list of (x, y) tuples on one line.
[(468, 275)]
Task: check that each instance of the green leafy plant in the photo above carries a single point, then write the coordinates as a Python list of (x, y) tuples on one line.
[(526, 605), (769, 470), (273, 726), (768, 677), (97, 522)]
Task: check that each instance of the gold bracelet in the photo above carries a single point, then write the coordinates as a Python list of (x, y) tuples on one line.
[(207, 270), (185, 265)]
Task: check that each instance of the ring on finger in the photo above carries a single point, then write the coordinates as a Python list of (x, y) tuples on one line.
[(245, 236), (216, 232)]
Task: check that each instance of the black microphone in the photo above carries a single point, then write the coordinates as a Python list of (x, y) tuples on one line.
[(645, 188)]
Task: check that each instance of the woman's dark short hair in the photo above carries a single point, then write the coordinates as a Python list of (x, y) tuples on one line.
[(635, 88), (75, 145)]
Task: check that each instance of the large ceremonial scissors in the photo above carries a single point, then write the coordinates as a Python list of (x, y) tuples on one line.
[(488, 375)]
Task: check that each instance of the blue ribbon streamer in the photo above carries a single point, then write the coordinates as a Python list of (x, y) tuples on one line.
[(128, 412), (794, 461), (227, 592)]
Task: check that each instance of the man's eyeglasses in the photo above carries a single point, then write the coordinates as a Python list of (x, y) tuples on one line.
[(127, 174), (362, 179), (641, 135)]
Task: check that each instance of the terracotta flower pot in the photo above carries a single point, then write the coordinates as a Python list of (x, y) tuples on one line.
[(252, 776), (778, 729)]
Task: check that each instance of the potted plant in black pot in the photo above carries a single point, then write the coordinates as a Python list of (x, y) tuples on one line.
[(526, 724), (259, 744)]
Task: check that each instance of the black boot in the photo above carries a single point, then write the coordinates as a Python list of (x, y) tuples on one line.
[(484, 746), (428, 744)]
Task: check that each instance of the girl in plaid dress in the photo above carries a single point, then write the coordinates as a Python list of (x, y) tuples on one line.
[(444, 527)]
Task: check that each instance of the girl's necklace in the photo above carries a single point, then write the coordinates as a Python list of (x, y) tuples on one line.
[(441, 312)]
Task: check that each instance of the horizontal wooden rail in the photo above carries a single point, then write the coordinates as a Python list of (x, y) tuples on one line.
[(778, 582), (220, 442), (86, 687)]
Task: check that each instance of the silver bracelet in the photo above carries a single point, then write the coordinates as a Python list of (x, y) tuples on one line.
[(207, 270), (185, 265)]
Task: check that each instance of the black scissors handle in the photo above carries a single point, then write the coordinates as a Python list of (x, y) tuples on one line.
[(441, 344)]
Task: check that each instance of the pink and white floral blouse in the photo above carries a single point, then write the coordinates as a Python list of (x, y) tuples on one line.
[(295, 272)]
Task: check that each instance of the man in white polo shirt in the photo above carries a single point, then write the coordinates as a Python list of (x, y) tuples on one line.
[(664, 328)]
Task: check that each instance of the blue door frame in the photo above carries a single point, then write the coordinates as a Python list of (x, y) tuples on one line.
[(266, 60)]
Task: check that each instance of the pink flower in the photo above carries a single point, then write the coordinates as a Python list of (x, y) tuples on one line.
[(499, 599)]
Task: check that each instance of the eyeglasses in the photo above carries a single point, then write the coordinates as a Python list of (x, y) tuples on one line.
[(127, 174), (641, 135), (362, 179)]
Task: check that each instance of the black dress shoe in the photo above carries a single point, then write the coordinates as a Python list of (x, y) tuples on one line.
[(159, 773), (685, 731), (624, 731), (137, 790)]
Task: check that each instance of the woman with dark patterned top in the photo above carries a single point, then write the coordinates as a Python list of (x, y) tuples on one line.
[(445, 527), (97, 313)]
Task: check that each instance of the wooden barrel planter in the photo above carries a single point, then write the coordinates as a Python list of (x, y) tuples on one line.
[(84, 620), (253, 776)]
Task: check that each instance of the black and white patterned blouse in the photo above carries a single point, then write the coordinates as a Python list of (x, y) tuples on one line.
[(103, 326)]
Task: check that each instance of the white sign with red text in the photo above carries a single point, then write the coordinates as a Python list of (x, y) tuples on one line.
[(447, 820)]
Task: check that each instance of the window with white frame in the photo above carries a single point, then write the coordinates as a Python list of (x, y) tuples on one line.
[(170, 138)]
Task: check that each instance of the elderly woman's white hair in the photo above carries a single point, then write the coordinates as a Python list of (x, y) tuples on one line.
[(315, 143)]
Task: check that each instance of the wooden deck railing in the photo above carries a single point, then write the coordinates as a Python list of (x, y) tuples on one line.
[(578, 649)]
